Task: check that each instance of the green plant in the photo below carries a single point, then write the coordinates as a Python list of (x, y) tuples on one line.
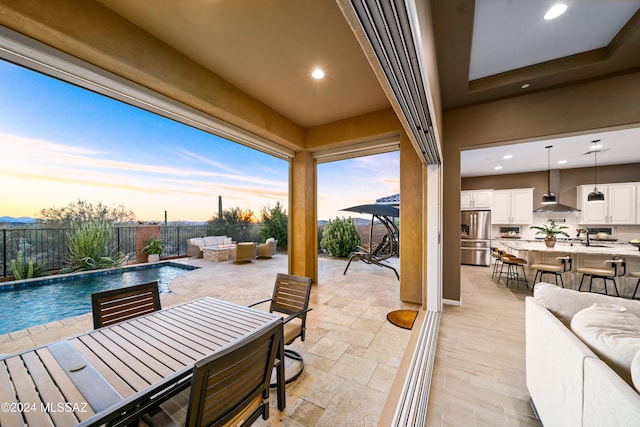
[(550, 230), (340, 237), (25, 270), (88, 244), (274, 224), (153, 246)]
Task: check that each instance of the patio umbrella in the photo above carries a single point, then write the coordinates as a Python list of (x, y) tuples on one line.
[(375, 209)]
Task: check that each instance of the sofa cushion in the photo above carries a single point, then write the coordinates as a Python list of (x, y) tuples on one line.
[(612, 332), (635, 371), (214, 240), (227, 241), (565, 303), (198, 241)]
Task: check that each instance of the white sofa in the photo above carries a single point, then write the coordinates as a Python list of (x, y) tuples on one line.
[(195, 244), (569, 384)]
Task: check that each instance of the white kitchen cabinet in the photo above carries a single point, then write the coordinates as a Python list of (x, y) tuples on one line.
[(475, 199), (619, 206), (513, 206)]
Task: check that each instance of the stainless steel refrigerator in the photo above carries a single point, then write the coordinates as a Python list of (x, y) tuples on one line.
[(475, 235)]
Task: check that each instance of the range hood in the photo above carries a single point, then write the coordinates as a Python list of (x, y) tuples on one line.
[(554, 186)]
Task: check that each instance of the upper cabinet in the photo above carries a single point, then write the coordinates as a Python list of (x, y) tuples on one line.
[(475, 199), (512, 206), (619, 206)]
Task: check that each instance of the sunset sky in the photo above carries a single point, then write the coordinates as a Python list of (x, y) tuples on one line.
[(60, 143)]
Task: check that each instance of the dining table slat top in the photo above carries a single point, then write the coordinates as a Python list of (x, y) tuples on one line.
[(99, 376)]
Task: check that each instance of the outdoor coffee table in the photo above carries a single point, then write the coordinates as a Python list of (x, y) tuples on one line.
[(216, 253)]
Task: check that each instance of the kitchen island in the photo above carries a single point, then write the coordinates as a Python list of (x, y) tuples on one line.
[(581, 256)]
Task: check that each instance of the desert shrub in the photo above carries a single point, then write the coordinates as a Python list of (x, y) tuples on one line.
[(22, 268), (275, 223), (340, 237), (89, 243)]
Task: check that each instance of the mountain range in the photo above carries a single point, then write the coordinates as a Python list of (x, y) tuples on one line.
[(20, 220)]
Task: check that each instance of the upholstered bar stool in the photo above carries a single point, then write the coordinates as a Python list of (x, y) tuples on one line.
[(603, 273), (635, 274), (555, 269), (513, 262)]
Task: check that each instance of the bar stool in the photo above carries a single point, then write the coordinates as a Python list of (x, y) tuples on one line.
[(513, 262), (603, 273), (555, 269), (496, 254), (635, 274)]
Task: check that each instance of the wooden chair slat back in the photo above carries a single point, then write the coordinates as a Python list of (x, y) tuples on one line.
[(122, 304), (227, 382), (290, 294)]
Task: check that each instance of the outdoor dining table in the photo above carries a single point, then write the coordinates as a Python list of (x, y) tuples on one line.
[(116, 373)]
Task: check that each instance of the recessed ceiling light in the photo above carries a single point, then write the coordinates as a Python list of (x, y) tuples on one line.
[(562, 162), (525, 86), (555, 11), (508, 156), (317, 74), (497, 168)]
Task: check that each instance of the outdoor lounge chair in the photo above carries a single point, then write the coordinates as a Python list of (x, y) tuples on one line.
[(243, 252), (121, 304), (291, 300), (267, 249), (228, 388)]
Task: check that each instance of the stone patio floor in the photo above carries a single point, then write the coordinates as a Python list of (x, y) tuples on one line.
[(351, 351)]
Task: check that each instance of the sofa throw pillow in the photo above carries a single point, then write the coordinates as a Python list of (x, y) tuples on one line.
[(612, 332), (635, 371), (198, 241), (565, 303), (227, 241)]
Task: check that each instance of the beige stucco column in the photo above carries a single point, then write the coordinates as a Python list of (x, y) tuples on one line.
[(412, 192), (303, 225)]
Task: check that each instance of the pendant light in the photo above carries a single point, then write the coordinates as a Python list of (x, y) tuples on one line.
[(596, 195), (549, 198)]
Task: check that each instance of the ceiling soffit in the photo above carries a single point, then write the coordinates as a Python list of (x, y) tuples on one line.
[(453, 28)]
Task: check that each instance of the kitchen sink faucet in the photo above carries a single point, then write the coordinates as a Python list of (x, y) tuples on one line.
[(584, 230)]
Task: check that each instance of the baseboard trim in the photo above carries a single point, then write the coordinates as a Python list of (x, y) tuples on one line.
[(451, 302)]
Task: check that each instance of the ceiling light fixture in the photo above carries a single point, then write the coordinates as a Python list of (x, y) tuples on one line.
[(596, 195), (562, 162), (549, 198), (525, 86), (317, 74), (507, 156), (555, 11), (498, 168)]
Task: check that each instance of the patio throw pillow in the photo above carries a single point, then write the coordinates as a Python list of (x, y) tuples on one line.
[(612, 332)]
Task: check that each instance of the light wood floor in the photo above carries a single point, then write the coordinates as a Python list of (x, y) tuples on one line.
[(479, 373)]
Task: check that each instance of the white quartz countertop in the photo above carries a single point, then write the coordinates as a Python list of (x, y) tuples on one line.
[(575, 248)]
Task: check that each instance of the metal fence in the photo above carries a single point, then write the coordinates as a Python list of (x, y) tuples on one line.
[(48, 246)]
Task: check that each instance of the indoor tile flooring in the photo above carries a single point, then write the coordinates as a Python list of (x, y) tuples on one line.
[(352, 353)]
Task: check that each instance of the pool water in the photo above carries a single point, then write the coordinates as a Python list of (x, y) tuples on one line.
[(27, 306)]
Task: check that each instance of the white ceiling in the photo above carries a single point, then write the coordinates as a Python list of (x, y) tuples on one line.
[(619, 147), (511, 34)]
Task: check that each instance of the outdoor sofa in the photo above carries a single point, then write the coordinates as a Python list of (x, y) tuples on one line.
[(195, 244)]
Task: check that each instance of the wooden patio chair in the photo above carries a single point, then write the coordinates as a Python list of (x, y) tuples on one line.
[(291, 300), (228, 388), (117, 305)]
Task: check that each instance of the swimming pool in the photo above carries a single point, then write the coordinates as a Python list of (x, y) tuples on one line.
[(43, 301)]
